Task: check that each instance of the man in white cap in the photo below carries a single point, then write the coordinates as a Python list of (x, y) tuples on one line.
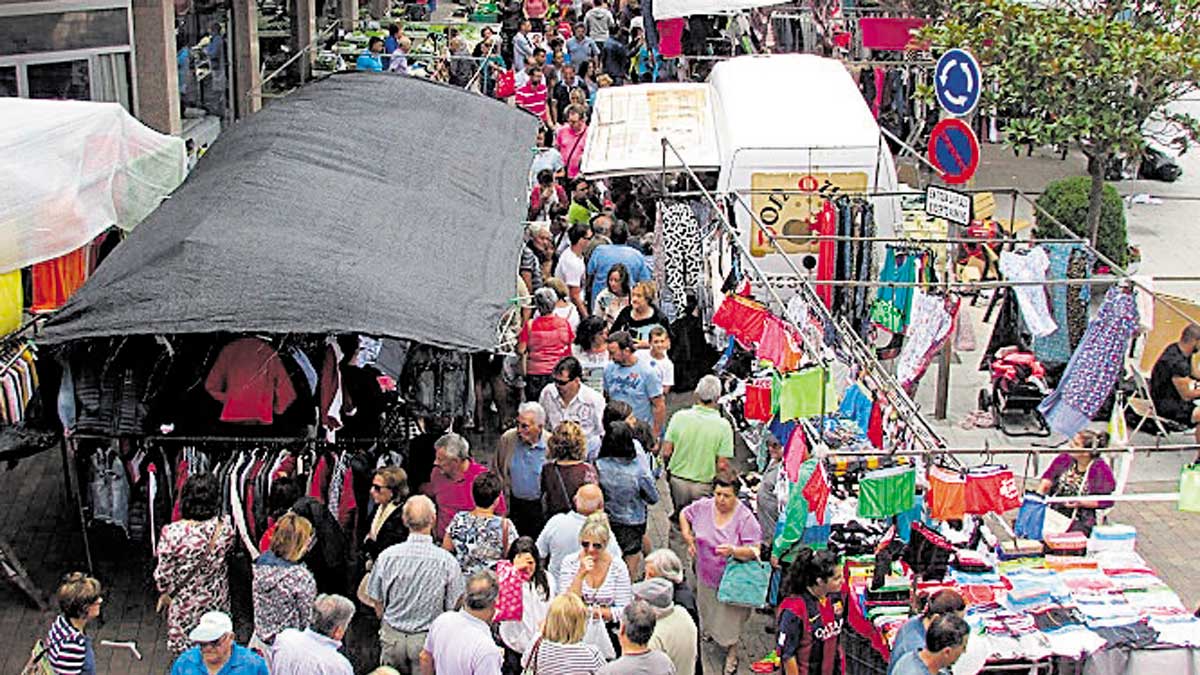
[(674, 630), (216, 651)]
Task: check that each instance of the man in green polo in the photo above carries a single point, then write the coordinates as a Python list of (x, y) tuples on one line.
[(699, 442)]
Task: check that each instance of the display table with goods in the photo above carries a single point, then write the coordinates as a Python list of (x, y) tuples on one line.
[(1067, 604)]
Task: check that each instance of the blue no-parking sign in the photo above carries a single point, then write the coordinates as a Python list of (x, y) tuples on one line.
[(958, 82), (954, 150)]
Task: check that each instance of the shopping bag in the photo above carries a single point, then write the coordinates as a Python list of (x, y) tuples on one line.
[(510, 582), (596, 635), (1189, 489), (506, 84), (1118, 428), (745, 583), (1032, 517)]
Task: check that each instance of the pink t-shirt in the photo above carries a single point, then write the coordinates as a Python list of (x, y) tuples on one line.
[(565, 140), (454, 496), (741, 530), (536, 9)]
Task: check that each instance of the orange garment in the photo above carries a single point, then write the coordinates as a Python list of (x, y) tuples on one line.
[(56, 280), (947, 496)]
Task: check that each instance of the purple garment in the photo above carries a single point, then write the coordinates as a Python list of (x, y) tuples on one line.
[(1100, 480), (741, 530)]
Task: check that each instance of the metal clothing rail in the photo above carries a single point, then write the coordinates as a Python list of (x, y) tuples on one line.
[(1015, 450), (887, 387)]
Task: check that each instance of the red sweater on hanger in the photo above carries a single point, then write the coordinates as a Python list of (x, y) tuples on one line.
[(249, 378)]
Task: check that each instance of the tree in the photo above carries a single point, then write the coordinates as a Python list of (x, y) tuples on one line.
[(1085, 74)]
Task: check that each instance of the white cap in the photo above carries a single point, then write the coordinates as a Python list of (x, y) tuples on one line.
[(212, 626)]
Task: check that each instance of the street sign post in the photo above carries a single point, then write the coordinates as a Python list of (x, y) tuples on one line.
[(954, 150), (952, 205), (958, 82)]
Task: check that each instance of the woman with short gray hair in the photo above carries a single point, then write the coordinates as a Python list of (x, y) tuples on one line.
[(542, 343)]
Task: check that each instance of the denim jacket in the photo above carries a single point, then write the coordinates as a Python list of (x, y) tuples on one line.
[(628, 488)]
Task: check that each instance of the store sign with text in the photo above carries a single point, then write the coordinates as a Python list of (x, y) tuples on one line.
[(787, 204)]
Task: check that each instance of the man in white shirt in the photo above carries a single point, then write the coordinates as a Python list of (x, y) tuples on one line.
[(571, 267), (461, 642), (568, 398), (560, 537), (314, 651), (522, 46)]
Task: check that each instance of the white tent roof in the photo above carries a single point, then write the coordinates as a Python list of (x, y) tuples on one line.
[(71, 169), (629, 122), (670, 9), (787, 101)]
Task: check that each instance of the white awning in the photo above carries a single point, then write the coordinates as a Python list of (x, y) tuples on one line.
[(71, 169), (670, 9)]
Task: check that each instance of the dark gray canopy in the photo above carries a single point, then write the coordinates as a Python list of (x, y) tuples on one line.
[(372, 203)]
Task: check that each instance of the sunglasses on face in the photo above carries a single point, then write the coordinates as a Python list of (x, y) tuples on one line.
[(562, 383), (594, 545), (379, 488), (211, 645)]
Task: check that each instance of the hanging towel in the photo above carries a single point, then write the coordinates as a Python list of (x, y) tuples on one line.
[(802, 395), (11, 301)]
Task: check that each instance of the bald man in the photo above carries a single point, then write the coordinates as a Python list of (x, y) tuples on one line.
[(560, 537)]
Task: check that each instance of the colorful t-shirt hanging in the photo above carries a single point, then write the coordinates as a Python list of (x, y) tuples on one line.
[(742, 318), (780, 344), (11, 300), (887, 492), (1094, 367), (56, 280), (801, 395)]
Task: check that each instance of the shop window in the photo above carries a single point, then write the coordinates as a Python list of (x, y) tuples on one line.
[(63, 31), (8, 81), (62, 80)]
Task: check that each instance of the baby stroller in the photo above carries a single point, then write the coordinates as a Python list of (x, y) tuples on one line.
[(1018, 386)]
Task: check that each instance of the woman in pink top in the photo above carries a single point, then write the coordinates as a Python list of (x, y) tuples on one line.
[(535, 11), (717, 529), (571, 138), (543, 342)]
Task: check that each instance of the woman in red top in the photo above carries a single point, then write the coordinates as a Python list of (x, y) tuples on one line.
[(811, 617), (543, 342)]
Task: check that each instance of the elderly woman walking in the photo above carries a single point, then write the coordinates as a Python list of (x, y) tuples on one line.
[(716, 529), (192, 575), (543, 342)]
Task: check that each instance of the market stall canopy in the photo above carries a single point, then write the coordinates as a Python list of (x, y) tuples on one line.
[(368, 202), (671, 9), (71, 169), (628, 124)]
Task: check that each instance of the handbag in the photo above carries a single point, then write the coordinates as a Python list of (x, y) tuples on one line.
[(38, 663), (506, 84), (1189, 489), (745, 583), (532, 668), (509, 601)]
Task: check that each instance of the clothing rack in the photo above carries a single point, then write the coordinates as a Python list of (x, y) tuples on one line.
[(871, 368)]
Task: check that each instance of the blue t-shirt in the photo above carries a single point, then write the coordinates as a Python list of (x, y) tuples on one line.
[(911, 664), (526, 470), (241, 662), (635, 385), (369, 62), (909, 639), (606, 255)]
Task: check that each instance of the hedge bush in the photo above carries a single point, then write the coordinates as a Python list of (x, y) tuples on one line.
[(1067, 200)]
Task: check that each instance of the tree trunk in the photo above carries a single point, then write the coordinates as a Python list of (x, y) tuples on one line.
[(1096, 170)]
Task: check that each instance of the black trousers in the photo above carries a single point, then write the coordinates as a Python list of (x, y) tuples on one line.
[(526, 515)]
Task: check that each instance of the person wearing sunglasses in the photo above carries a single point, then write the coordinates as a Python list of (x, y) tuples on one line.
[(67, 649), (567, 398), (214, 650), (597, 577)]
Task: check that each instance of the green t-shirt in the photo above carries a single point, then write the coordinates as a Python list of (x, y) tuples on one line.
[(700, 435), (578, 213)]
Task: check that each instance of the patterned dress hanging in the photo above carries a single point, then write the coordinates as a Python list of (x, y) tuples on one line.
[(1094, 366)]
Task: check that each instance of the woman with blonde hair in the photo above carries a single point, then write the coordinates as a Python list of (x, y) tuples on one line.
[(566, 469), (283, 589), (564, 307), (560, 649), (66, 648), (594, 575), (642, 314)]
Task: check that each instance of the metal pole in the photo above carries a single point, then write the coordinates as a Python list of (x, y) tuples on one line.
[(1016, 450)]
